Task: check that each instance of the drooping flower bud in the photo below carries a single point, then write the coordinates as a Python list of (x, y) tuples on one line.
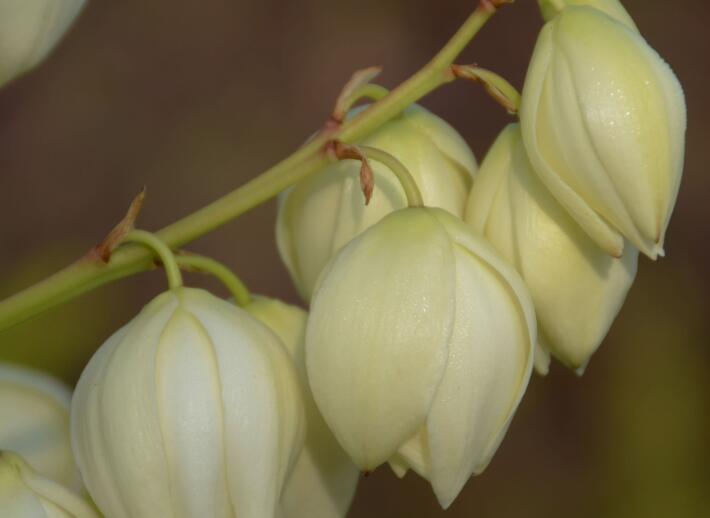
[(26, 494), (603, 121), (29, 30), (325, 211), (323, 481), (34, 423), (577, 288), (613, 8), (419, 347), (192, 409)]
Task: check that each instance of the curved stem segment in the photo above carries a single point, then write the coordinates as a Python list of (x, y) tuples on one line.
[(497, 86), (161, 250), (88, 273), (370, 91), (201, 264), (411, 190)]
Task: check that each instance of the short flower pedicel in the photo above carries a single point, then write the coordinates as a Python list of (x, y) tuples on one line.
[(192, 409), (419, 347)]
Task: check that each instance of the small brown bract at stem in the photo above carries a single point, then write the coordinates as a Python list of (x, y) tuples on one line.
[(102, 251), (491, 5), (359, 78), (341, 151), (474, 74)]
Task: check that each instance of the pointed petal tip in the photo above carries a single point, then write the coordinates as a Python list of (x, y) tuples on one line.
[(579, 371), (445, 500)]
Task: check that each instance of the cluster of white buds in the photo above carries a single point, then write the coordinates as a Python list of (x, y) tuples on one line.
[(323, 213), (429, 305)]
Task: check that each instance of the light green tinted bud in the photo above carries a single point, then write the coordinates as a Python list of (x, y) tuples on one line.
[(603, 120), (29, 30), (323, 481), (325, 211), (192, 409), (419, 347), (26, 494), (613, 8), (577, 288), (35, 422)]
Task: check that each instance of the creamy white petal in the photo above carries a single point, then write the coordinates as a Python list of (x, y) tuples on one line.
[(26, 494), (535, 108), (115, 426), (192, 408), (323, 481), (322, 213), (490, 360), (611, 8), (449, 141), (35, 422), (378, 332), (542, 359), (577, 288), (604, 117)]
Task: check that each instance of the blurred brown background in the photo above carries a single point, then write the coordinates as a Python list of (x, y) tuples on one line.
[(194, 98)]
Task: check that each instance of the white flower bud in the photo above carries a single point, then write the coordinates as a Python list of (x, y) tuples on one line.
[(603, 120), (192, 409), (419, 347), (325, 211), (577, 288), (613, 8), (35, 422), (323, 481), (29, 30), (26, 494)]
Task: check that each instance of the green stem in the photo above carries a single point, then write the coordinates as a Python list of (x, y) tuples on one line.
[(497, 86), (369, 91), (90, 273), (161, 250), (411, 190), (201, 264)]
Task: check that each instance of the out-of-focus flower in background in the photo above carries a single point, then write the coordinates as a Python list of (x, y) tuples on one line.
[(29, 30), (34, 423)]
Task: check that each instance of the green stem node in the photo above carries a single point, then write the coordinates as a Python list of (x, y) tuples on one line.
[(161, 250)]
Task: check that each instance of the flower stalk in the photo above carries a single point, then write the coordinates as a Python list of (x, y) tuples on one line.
[(90, 273), (150, 241), (196, 263)]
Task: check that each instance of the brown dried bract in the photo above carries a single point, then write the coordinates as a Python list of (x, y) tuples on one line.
[(103, 250), (492, 5), (342, 151), (358, 79)]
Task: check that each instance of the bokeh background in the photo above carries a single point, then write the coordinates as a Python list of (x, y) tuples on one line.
[(192, 99)]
